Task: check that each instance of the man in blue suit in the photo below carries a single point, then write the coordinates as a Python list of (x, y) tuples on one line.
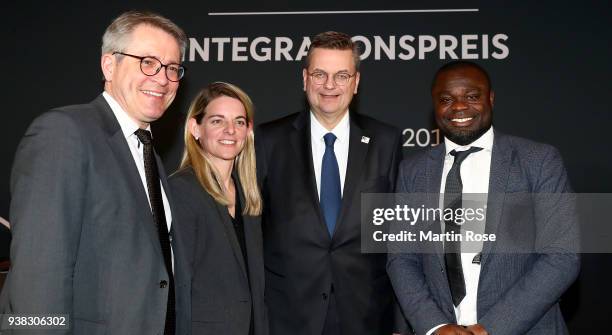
[(496, 290)]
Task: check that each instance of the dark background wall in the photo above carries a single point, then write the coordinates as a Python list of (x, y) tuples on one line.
[(551, 77)]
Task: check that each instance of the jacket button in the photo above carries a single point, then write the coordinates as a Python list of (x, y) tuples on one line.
[(163, 284), (324, 296)]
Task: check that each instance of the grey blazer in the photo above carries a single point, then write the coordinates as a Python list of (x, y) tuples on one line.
[(518, 293), (223, 292), (84, 239)]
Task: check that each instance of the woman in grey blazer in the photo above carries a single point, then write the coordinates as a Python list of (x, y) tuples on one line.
[(220, 283)]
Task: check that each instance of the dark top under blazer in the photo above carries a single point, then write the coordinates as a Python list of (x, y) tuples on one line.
[(302, 261), (84, 239), (518, 292), (215, 278)]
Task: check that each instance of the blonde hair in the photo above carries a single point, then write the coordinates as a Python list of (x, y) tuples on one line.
[(244, 163)]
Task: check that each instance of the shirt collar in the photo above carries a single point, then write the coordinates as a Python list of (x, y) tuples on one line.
[(128, 126), (341, 131), (485, 142)]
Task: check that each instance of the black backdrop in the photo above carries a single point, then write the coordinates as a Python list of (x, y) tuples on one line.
[(548, 62)]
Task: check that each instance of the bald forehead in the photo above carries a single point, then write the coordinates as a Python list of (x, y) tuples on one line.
[(461, 70)]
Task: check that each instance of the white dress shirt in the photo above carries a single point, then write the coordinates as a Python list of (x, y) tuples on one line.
[(128, 127), (341, 147), (475, 171)]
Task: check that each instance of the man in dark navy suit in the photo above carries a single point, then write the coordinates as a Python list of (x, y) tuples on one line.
[(313, 167)]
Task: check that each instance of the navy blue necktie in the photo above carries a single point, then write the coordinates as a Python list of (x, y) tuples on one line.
[(453, 191), (331, 197)]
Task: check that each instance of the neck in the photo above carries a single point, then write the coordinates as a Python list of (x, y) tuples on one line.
[(329, 121), (224, 168)]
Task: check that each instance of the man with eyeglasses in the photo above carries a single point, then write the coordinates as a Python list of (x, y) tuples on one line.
[(313, 167), (90, 213)]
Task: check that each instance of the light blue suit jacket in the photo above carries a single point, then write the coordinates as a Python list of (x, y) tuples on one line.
[(518, 292)]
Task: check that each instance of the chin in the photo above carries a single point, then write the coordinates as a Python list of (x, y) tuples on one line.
[(465, 137), (228, 156)]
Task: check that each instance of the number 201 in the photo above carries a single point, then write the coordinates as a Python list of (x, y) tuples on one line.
[(422, 137)]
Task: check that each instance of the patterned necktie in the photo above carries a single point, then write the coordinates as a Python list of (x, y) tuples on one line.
[(159, 217), (331, 197), (452, 249)]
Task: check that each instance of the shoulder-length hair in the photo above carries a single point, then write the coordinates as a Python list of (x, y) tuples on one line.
[(244, 163)]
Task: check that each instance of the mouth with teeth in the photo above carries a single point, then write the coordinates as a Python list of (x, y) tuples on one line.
[(329, 96), (152, 93), (462, 121), (227, 142)]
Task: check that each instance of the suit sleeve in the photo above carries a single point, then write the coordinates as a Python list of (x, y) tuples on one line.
[(261, 155), (48, 183), (395, 161), (185, 224), (557, 265), (409, 283), (400, 324)]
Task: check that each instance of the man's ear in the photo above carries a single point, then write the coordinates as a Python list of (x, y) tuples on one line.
[(107, 62), (357, 77), (492, 98), (305, 77)]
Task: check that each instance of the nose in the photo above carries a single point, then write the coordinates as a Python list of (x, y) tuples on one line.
[(230, 128), (160, 77), (329, 84), (459, 105)]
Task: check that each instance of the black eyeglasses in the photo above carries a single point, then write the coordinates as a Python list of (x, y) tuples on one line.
[(151, 66), (340, 78)]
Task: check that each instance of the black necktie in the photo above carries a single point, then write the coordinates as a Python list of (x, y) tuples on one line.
[(159, 216), (452, 249)]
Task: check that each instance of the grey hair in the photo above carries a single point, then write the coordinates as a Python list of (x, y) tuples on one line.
[(116, 36)]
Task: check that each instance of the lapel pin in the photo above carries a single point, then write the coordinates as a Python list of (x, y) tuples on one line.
[(365, 139)]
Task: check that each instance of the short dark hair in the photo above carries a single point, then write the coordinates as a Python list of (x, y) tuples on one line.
[(336, 41), (460, 64)]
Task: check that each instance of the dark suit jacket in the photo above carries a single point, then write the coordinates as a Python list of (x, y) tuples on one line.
[(221, 289), (518, 291), (84, 239), (302, 261), (5, 242)]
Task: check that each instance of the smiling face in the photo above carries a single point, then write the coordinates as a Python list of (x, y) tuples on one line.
[(144, 98), (328, 100), (462, 100), (222, 130)]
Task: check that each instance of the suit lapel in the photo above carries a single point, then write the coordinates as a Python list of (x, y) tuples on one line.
[(164, 181), (433, 172), (498, 180), (249, 233), (301, 143), (230, 232), (125, 161), (358, 151)]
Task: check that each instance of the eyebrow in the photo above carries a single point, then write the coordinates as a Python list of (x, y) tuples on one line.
[(320, 70), (159, 59), (223, 117)]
